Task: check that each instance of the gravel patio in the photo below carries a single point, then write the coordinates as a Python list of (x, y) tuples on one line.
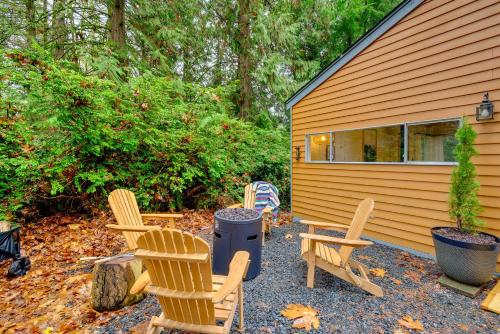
[(409, 285)]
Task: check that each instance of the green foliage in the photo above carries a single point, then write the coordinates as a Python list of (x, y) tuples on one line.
[(68, 137), (464, 204)]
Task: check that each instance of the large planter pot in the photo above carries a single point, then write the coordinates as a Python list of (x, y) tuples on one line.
[(466, 262)]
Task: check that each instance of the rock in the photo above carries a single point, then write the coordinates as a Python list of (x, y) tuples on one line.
[(111, 283)]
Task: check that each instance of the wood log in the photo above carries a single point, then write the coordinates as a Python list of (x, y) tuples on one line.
[(4, 226), (112, 280)]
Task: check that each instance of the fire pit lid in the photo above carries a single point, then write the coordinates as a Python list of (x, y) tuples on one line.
[(237, 215)]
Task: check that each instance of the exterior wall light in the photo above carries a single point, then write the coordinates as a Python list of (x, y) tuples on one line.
[(485, 109), (297, 152)]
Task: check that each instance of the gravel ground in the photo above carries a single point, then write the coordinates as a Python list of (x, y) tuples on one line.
[(410, 289)]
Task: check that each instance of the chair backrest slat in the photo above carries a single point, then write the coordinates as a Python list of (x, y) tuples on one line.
[(361, 217), (180, 275), (249, 197), (126, 211)]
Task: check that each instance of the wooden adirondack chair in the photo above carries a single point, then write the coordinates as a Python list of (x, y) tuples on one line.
[(249, 203), (317, 252), (130, 220), (191, 298)]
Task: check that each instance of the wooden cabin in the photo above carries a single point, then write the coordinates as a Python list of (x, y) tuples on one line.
[(380, 120)]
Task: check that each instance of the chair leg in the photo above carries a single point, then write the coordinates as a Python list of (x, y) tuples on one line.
[(241, 326), (152, 329), (171, 223), (263, 231), (311, 264)]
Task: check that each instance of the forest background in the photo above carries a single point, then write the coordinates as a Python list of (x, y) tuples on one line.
[(181, 102)]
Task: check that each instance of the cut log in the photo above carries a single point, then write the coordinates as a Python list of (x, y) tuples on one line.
[(112, 280), (4, 226)]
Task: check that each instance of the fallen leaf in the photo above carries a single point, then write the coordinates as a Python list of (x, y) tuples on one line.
[(463, 327), (379, 272), (139, 328), (48, 330), (74, 226), (408, 322), (307, 322), (400, 331), (364, 257), (395, 281), (303, 316), (288, 236), (413, 275)]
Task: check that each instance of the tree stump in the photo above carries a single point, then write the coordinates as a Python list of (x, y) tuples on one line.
[(4, 226), (112, 280)]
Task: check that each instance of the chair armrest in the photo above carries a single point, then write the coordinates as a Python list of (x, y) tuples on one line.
[(337, 241), (141, 283), (123, 228), (267, 210), (237, 270), (161, 215), (323, 225), (234, 206)]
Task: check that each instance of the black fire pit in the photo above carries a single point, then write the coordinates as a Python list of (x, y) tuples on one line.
[(235, 230)]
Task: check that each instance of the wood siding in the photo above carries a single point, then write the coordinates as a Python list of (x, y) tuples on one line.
[(435, 63)]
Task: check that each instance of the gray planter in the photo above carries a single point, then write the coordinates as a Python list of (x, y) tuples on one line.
[(466, 262)]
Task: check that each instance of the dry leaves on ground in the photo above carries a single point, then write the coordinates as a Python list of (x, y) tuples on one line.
[(379, 272), (408, 323), (413, 276), (302, 316), (54, 296)]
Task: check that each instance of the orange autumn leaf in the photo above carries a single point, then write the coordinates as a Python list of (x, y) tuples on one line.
[(395, 281), (303, 316), (408, 322), (379, 272)]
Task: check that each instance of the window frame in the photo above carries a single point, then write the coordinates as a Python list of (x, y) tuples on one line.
[(308, 147), (405, 151)]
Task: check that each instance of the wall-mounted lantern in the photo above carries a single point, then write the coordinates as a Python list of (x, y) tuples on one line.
[(485, 109), (297, 152)]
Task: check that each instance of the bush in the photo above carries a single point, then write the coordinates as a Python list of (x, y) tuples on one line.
[(68, 139), (464, 204)]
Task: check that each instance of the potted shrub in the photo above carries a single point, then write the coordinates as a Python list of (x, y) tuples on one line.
[(462, 252)]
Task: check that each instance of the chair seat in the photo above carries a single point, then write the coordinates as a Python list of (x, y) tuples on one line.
[(328, 254)]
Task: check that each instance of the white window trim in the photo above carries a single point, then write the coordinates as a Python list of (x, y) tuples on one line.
[(405, 153)]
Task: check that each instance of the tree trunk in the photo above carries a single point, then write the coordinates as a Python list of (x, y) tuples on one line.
[(112, 281), (59, 28), (244, 58), (45, 22), (116, 11), (30, 20)]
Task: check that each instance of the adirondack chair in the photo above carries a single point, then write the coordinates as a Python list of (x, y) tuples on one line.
[(191, 298), (130, 220), (317, 252), (249, 203)]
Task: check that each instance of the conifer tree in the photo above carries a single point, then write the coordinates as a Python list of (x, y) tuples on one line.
[(464, 204)]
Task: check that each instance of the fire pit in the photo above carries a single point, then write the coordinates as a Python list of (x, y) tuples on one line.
[(237, 229)]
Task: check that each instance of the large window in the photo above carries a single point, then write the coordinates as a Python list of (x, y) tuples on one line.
[(433, 142), (384, 144), (429, 142)]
